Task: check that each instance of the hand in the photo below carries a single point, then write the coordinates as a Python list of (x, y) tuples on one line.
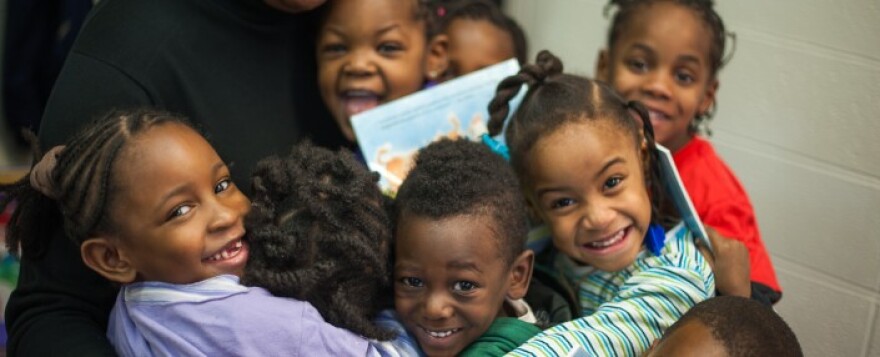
[(730, 262), (41, 173)]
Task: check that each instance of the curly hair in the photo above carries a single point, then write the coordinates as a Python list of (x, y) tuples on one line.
[(82, 182), (318, 232), (458, 177), (554, 99), (745, 327)]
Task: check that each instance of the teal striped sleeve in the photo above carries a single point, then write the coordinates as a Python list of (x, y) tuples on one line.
[(659, 291)]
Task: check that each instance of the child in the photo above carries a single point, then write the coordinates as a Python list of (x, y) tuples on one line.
[(667, 54), (728, 326), (152, 206), (590, 172), (460, 266), (480, 35), (371, 52)]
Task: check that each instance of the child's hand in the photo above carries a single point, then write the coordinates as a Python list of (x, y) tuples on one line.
[(730, 264)]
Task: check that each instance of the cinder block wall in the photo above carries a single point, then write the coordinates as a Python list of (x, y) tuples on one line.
[(798, 122)]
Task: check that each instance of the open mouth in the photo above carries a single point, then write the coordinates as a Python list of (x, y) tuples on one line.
[(609, 242), (358, 101), (441, 334), (657, 116), (230, 251)]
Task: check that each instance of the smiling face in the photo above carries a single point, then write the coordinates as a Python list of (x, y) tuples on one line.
[(369, 52), (450, 280), (586, 182), (178, 217), (662, 59), (475, 44)]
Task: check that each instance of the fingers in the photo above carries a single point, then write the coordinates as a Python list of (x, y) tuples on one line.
[(41, 173)]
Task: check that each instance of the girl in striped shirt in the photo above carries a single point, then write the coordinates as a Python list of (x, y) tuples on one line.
[(587, 163)]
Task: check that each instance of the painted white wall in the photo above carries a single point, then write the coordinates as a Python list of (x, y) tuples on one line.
[(797, 122)]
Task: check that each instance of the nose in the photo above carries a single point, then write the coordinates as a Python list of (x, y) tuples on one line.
[(359, 63), (596, 215), (657, 85), (228, 213), (437, 307)]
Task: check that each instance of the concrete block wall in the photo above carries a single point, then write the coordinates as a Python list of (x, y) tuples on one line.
[(797, 122)]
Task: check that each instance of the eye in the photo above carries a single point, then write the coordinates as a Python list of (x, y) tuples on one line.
[(223, 185), (684, 77), (333, 49), (180, 211), (412, 282), (388, 48), (637, 65), (561, 203), (612, 182), (464, 286)]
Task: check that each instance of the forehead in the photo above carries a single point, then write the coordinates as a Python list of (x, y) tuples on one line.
[(580, 147), (463, 238), (481, 35), (669, 27), (368, 16)]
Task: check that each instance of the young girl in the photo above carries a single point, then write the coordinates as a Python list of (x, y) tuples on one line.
[(667, 54), (371, 52), (152, 206), (589, 172)]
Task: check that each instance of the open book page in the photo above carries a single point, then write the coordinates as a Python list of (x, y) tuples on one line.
[(390, 135), (681, 199)]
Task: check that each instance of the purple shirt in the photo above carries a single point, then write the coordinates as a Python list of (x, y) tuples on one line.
[(218, 317)]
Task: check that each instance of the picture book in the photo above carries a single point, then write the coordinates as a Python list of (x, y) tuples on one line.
[(681, 199), (390, 135)]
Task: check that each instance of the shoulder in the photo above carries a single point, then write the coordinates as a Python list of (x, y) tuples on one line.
[(679, 261)]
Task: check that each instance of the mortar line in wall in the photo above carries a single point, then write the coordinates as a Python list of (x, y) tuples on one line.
[(827, 280), (810, 47), (800, 160), (872, 326)]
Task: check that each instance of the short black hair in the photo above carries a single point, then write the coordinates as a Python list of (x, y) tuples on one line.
[(745, 327), (318, 232), (488, 11), (462, 178)]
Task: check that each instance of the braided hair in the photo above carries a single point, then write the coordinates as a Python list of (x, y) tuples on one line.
[(318, 232), (458, 177), (81, 182), (554, 99), (705, 10)]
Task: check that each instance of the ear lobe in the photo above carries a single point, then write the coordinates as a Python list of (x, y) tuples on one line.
[(437, 60), (602, 66), (521, 275), (103, 255), (709, 99)]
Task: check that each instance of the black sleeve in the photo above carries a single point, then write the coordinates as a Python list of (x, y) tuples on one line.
[(61, 307)]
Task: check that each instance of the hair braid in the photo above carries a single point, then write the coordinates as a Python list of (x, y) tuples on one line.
[(318, 233)]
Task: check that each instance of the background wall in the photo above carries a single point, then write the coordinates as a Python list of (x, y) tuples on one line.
[(797, 122)]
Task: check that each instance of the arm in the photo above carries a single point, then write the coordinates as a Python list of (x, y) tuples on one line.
[(58, 300), (647, 303), (730, 263)]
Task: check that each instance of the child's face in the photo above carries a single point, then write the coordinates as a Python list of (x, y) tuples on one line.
[(475, 44), (586, 182), (691, 339), (369, 52), (178, 216), (662, 60), (449, 280)]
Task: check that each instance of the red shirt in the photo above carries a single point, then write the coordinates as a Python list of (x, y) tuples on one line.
[(722, 203)]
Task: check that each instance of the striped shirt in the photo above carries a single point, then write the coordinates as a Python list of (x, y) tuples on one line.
[(625, 311)]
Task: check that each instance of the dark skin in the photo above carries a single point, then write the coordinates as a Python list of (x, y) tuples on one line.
[(729, 259)]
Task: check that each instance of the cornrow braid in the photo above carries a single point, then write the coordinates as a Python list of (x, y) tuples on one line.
[(319, 232), (554, 99), (82, 181), (705, 9)]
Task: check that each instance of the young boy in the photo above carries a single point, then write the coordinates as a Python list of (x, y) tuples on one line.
[(371, 52), (728, 326), (480, 35), (461, 268)]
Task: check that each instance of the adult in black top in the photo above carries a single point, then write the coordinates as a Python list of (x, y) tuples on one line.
[(243, 70)]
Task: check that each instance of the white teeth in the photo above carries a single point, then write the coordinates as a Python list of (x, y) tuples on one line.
[(227, 253), (441, 334), (607, 242)]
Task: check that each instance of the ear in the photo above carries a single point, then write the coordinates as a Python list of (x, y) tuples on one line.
[(437, 60), (521, 275), (602, 66), (709, 99), (103, 255)]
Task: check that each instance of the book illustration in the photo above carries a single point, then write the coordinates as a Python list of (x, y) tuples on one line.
[(390, 135), (678, 194)]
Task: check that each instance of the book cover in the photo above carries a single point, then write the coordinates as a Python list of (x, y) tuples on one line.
[(390, 135), (681, 199)]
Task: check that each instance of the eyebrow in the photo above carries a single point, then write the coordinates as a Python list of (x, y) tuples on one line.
[(683, 58), (339, 32), (463, 265), (608, 165)]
